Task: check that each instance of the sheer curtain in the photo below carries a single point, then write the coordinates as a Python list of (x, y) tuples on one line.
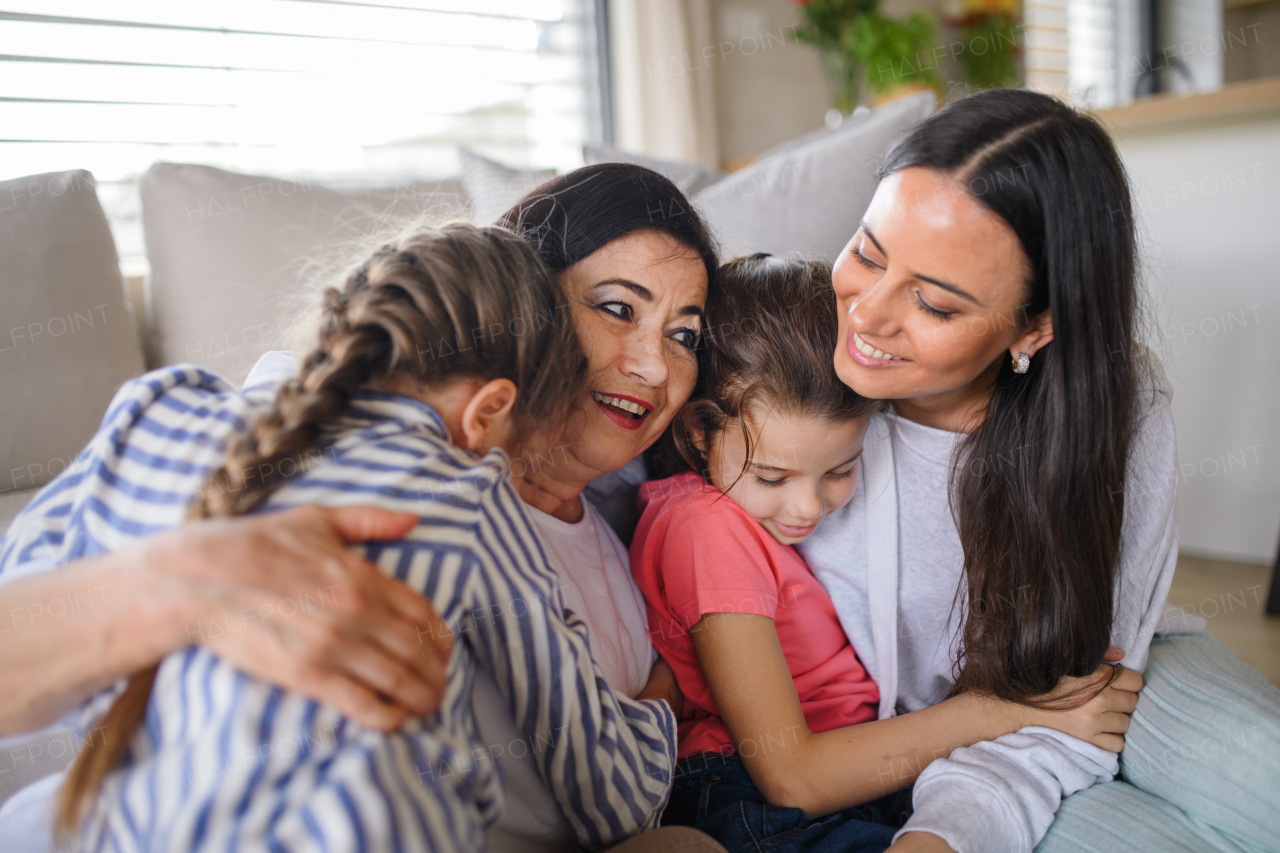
[(664, 103)]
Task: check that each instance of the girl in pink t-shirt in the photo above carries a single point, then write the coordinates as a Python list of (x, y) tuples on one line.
[(778, 739)]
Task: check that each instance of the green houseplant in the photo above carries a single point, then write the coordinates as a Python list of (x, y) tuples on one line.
[(993, 42), (829, 26), (858, 44), (896, 53)]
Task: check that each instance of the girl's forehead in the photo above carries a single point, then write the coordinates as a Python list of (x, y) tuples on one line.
[(799, 441)]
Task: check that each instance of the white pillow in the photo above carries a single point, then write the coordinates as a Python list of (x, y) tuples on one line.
[(809, 198), (68, 340), (494, 187), (233, 256), (689, 178)]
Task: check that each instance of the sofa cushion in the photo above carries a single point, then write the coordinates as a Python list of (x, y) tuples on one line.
[(12, 503), (494, 187), (67, 341), (808, 198), (689, 178), (236, 260), (846, 123)]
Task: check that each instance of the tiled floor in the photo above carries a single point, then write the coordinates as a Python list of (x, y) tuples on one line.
[(1230, 596)]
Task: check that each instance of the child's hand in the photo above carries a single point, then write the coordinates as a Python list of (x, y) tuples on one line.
[(1103, 718), (662, 684)]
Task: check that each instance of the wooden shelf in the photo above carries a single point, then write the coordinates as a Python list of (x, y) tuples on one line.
[(1246, 98)]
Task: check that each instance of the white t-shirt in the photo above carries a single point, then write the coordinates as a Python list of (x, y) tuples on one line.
[(596, 583)]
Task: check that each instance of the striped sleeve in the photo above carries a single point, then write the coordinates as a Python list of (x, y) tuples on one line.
[(607, 759), (114, 492)]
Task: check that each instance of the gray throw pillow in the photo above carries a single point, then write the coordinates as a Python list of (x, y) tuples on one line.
[(813, 136), (689, 178), (237, 260), (808, 199), (494, 187), (68, 341)]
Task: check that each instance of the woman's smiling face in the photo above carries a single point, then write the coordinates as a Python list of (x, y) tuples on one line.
[(930, 292), (637, 306)]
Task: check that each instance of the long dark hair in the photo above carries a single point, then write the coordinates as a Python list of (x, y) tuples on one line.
[(574, 214), (1038, 489), (400, 314), (771, 329)]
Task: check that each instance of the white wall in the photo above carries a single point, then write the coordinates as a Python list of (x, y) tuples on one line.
[(1209, 202), (769, 87)]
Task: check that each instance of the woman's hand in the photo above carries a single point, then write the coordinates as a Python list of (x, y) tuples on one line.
[(1103, 718), (281, 596), (662, 684)]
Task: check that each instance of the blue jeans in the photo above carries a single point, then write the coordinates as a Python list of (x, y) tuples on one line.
[(714, 793)]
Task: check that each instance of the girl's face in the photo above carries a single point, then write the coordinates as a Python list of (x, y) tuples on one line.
[(801, 469), (637, 306), (930, 291)]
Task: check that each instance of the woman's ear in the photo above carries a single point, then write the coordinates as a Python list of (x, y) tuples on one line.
[(486, 418), (1037, 335)]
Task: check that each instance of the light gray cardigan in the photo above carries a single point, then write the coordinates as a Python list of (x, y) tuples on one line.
[(996, 796)]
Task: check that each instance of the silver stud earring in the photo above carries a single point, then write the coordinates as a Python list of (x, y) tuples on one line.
[(1021, 363)]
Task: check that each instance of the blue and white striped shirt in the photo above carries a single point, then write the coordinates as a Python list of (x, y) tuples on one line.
[(227, 762)]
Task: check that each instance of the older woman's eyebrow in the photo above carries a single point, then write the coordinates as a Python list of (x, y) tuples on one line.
[(647, 295), (638, 289), (947, 286)]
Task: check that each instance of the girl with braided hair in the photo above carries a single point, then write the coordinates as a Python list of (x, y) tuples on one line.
[(443, 366)]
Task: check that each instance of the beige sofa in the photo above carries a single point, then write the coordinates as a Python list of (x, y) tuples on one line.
[(236, 261)]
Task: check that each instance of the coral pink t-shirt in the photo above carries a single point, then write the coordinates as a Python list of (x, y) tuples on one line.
[(696, 552)]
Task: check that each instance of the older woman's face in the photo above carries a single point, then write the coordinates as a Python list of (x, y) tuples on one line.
[(929, 290), (637, 306)]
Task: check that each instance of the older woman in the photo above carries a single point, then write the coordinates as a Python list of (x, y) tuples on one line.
[(636, 264)]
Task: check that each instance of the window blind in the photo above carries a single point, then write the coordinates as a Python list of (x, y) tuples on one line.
[(1093, 53), (1046, 45), (329, 89)]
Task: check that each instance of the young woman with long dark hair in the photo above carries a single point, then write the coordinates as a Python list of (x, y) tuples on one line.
[(1016, 513)]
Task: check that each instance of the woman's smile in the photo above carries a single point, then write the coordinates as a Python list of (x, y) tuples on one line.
[(867, 355), (626, 411)]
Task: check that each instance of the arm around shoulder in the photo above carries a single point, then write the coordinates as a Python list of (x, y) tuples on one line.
[(362, 654), (75, 630)]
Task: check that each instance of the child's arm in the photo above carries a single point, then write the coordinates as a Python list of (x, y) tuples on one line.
[(662, 684), (821, 773)]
